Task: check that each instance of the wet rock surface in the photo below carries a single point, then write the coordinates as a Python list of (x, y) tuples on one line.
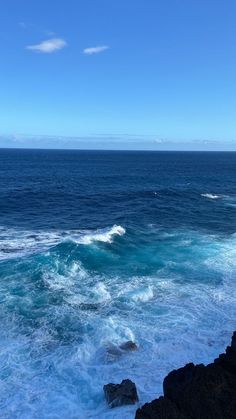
[(198, 391), (121, 394)]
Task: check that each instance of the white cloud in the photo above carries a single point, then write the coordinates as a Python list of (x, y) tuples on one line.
[(48, 46), (95, 50), (159, 140)]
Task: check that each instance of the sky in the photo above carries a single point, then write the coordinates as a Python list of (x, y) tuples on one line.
[(118, 74)]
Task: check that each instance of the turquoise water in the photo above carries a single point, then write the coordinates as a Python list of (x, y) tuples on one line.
[(100, 248)]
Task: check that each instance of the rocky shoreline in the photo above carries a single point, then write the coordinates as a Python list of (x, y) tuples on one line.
[(198, 391)]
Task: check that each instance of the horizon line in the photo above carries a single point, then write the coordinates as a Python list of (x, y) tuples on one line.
[(117, 150)]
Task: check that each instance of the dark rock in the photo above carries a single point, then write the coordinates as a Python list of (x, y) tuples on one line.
[(129, 346), (198, 391), (121, 394), (228, 360), (202, 392), (113, 352), (162, 408), (233, 342)]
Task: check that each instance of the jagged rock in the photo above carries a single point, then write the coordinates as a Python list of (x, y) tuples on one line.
[(113, 352), (121, 394), (233, 342), (228, 360), (202, 392), (129, 346), (162, 408), (198, 391)]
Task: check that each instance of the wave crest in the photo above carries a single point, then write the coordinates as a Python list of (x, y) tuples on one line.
[(103, 235), (211, 196), (17, 243)]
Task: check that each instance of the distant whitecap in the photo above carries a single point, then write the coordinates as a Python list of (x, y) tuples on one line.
[(211, 196)]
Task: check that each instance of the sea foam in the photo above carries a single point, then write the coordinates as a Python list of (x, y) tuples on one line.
[(18, 242), (211, 196), (61, 315), (103, 235)]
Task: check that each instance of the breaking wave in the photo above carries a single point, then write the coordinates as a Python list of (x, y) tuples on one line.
[(211, 196), (16, 243), (68, 308)]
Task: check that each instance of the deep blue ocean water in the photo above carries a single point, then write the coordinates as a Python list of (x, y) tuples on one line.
[(98, 248)]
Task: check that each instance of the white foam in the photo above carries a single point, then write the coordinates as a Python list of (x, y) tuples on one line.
[(67, 278), (103, 235), (16, 242), (187, 319), (143, 295), (101, 292), (211, 196)]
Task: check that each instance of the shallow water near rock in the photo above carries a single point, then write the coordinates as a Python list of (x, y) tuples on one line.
[(101, 248)]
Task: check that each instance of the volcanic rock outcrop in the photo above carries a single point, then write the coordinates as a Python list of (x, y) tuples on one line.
[(198, 391)]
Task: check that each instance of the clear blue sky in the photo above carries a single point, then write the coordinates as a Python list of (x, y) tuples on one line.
[(116, 73)]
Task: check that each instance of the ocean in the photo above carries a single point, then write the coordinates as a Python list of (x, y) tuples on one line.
[(98, 248)]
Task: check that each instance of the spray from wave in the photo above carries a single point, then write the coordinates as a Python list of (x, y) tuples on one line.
[(104, 235)]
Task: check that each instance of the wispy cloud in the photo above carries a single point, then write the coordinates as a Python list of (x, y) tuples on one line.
[(48, 46), (95, 50)]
